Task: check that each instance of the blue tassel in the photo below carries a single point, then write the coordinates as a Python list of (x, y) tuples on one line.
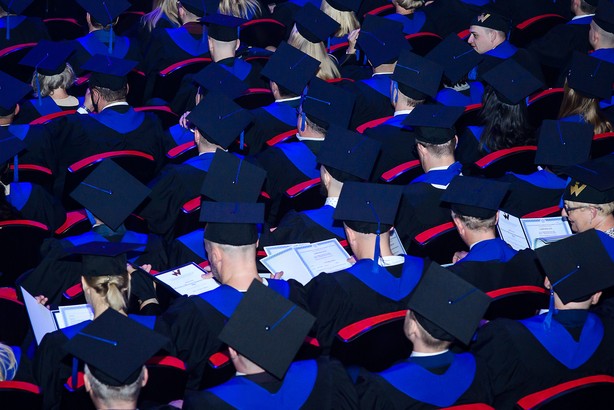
[(38, 90), (303, 121), (395, 91), (8, 28), (111, 41), (241, 140), (548, 320), (16, 169), (75, 372), (376, 253)]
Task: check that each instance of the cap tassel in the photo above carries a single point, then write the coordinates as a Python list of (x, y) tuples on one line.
[(395, 91), (38, 91), (242, 140), (551, 309), (111, 29), (8, 27), (303, 121), (75, 372), (15, 169)]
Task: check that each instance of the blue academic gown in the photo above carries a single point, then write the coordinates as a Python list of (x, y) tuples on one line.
[(489, 250)]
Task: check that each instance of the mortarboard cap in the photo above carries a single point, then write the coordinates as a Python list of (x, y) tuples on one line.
[(604, 17), (345, 5), (115, 347), (108, 72), (219, 119), (417, 77), (11, 91), (381, 40), (104, 11), (563, 143), (15, 6), (493, 21), (477, 197), (580, 265), (103, 258), (200, 7), (591, 76), (232, 179), (221, 27), (512, 82), (263, 319), (456, 57), (362, 206), (347, 154), (591, 182), (48, 57), (327, 104), (9, 145), (290, 68), (315, 25), (111, 193), (447, 305), (214, 77), (232, 223), (434, 124)]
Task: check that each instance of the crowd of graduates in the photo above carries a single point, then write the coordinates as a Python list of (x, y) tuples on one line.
[(139, 137)]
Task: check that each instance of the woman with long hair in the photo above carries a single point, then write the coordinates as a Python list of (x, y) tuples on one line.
[(342, 14), (245, 9), (577, 107), (163, 15), (328, 64)]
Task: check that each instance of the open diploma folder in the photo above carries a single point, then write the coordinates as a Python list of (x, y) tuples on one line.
[(46, 321), (522, 233), (303, 262), (186, 280)]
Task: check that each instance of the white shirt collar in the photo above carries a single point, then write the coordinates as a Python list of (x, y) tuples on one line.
[(308, 138), (391, 260), (382, 73), (420, 354), (115, 104), (288, 99), (582, 16), (402, 112), (332, 201)]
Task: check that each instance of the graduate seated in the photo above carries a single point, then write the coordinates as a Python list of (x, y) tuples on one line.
[(601, 34), (264, 334), (17, 28), (444, 310)]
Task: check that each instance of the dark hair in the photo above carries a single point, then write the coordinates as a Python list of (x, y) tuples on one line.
[(505, 125)]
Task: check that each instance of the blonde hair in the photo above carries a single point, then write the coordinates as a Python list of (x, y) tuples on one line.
[(114, 289), (409, 4), (347, 19), (161, 7), (474, 223), (328, 69), (574, 103), (8, 362), (247, 9), (50, 83)]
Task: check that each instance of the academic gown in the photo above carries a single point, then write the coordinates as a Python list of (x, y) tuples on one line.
[(521, 10), (412, 23), (245, 71), (449, 16), (430, 382), (30, 110), (310, 384), (374, 95), (468, 149), (489, 250), (188, 248), (504, 51), (270, 121), (605, 54), (532, 192), (421, 206), (196, 321), (452, 98), (171, 45), (526, 356), (22, 29), (23, 371), (398, 142), (341, 298), (37, 204), (38, 144)]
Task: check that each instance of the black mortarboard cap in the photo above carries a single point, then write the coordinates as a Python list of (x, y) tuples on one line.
[(232, 179), (580, 265), (290, 68), (214, 77), (222, 27), (434, 124), (604, 17), (115, 347), (345, 152), (9, 145), (220, 119), (232, 223), (493, 21), (448, 303), (15, 6), (456, 57), (199, 7), (108, 72), (103, 258), (48, 57), (512, 82), (477, 197), (327, 104), (345, 5), (111, 193), (381, 40), (591, 182), (590, 76), (11, 91), (363, 206), (263, 319), (563, 143), (104, 11), (315, 25), (417, 77)]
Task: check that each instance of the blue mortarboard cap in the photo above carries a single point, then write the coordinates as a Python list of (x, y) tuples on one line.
[(104, 11), (512, 82), (103, 258), (434, 124), (563, 143), (315, 25), (370, 203), (456, 57), (290, 68), (232, 223), (48, 57), (200, 7), (219, 119), (591, 76), (214, 77), (345, 152), (345, 5), (11, 91), (232, 179), (222, 27), (591, 181), (493, 21), (417, 77), (327, 104), (108, 72), (604, 17), (446, 305), (15, 6), (9, 145), (382, 40), (477, 197)]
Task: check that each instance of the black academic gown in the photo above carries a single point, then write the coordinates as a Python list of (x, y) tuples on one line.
[(526, 356), (449, 16), (22, 30), (270, 121), (30, 110), (311, 384), (521, 10), (430, 382), (341, 298), (374, 96), (37, 204), (528, 193), (245, 71), (38, 144)]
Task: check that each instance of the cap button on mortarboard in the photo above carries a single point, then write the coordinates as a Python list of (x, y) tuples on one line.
[(267, 328)]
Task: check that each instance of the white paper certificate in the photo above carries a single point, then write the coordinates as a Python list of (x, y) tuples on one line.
[(187, 280), (545, 228), (41, 318), (71, 315), (396, 246), (290, 264), (510, 230), (325, 256)]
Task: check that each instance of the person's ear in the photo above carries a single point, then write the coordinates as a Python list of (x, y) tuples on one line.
[(595, 298), (86, 383), (238, 44), (145, 376)]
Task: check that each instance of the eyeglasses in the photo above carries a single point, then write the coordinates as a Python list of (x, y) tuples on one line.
[(570, 210)]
